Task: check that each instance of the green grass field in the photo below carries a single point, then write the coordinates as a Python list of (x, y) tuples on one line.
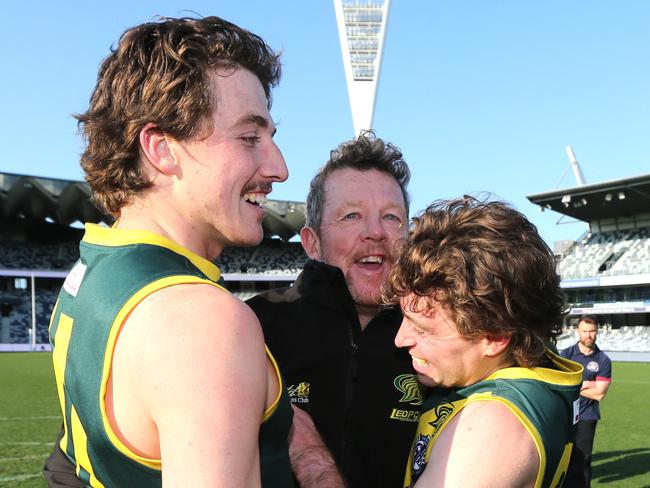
[(622, 446), (30, 420), (30, 417)]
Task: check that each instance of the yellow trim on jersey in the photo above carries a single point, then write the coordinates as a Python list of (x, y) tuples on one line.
[(563, 465), (80, 441), (49, 327), (269, 411), (458, 406), (107, 236), (525, 421), (566, 364), (59, 358), (569, 373), (110, 348), (425, 420)]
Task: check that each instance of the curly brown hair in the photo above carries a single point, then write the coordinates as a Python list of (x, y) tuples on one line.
[(486, 262), (364, 153), (160, 73)]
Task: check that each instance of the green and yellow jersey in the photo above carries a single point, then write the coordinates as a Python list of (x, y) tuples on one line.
[(116, 270), (544, 400)]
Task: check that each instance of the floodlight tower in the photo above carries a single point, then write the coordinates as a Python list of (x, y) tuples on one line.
[(575, 165), (362, 29)]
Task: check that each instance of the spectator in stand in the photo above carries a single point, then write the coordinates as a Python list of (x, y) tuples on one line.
[(597, 377)]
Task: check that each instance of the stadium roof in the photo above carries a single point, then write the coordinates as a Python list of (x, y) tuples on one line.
[(64, 202), (625, 197)]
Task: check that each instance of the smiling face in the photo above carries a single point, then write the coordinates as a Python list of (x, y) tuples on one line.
[(226, 175), (443, 357), (363, 218)]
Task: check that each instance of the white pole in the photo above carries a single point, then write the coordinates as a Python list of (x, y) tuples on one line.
[(33, 312), (575, 166)]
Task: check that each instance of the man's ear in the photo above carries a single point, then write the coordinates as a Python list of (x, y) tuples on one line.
[(496, 344), (155, 148), (310, 243)]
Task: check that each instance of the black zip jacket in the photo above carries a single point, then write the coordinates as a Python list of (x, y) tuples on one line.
[(358, 387)]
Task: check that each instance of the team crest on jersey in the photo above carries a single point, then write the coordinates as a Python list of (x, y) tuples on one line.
[(409, 386), (420, 454), (442, 411), (593, 366), (299, 393)]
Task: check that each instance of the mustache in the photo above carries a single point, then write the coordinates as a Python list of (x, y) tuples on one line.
[(258, 186)]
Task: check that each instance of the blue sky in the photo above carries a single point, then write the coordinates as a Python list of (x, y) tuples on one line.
[(480, 95)]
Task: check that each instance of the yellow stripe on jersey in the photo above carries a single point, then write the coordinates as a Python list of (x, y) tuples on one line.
[(121, 316), (528, 425), (570, 373), (432, 423), (106, 236), (80, 442), (269, 411), (563, 465), (49, 327), (59, 357), (434, 429)]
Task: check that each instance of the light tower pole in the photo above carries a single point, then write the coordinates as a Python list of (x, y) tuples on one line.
[(362, 30)]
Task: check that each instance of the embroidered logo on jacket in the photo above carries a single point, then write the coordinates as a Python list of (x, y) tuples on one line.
[(408, 385), (405, 415), (593, 366), (299, 393)]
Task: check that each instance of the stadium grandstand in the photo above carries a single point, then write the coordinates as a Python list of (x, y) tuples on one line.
[(606, 272), (40, 230)]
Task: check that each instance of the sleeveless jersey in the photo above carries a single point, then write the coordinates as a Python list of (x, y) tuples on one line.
[(116, 270), (544, 400)]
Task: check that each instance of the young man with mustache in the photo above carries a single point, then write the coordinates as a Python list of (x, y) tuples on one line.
[(162, 375)]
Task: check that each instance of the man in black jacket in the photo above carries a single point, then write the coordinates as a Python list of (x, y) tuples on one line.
[(329, 333)]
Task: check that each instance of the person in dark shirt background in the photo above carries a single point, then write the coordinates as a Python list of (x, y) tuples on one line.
[(597, 377)]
